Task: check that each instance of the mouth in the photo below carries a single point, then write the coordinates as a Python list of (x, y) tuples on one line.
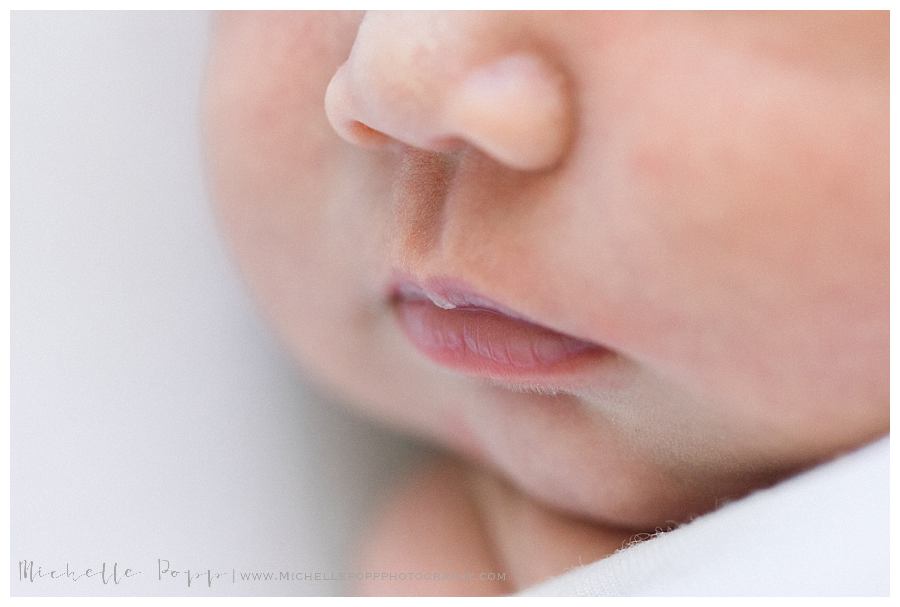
[(462, 330)]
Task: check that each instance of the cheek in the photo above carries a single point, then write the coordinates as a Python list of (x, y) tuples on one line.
[(272, 157), (738, 217), (264, 115)]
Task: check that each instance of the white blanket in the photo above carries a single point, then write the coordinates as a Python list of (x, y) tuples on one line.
[(823, 532)]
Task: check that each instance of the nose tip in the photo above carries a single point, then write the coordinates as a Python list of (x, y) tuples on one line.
[(344, 117), (516, 109)]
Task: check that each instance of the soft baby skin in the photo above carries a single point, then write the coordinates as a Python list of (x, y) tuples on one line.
[(622, 266)]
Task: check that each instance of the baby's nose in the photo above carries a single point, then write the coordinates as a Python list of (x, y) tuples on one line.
[(438, 81)]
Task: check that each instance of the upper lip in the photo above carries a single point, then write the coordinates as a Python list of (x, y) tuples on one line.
[(448, 292)]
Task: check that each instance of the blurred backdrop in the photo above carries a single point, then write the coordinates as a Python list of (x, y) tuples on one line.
[(155, 422)]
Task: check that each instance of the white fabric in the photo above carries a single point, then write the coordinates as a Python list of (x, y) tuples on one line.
[(823, 532)]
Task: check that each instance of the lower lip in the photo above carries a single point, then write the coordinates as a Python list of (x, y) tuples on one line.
[(483, 342)]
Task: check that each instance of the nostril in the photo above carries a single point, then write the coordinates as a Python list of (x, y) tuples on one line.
[(366, 135)]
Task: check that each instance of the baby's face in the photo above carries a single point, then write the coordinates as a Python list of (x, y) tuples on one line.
[(689, 209)]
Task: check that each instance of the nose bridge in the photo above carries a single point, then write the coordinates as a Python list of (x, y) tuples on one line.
[(435, 80)]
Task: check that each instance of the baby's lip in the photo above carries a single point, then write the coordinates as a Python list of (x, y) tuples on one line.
[(457, 327), (448, 294)]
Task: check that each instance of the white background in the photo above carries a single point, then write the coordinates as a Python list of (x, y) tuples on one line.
[(152, 414)]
